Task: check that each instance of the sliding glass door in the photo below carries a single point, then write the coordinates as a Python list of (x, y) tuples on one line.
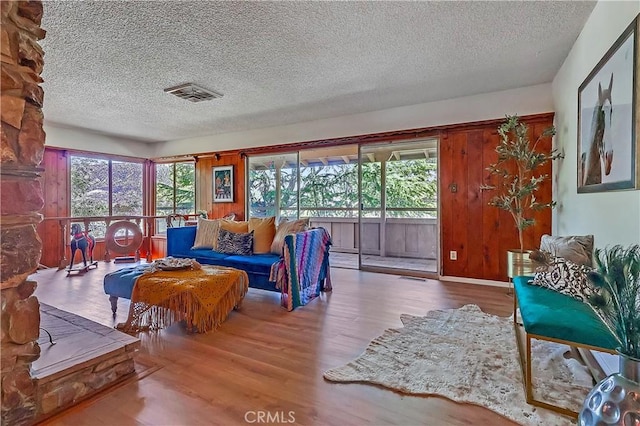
[(378, 202), (398, 208), (273, 186)]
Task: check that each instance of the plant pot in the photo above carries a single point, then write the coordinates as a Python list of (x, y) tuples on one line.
[(616, 399), (518, 263)]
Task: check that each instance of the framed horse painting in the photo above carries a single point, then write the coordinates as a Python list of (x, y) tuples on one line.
[(609, 119)]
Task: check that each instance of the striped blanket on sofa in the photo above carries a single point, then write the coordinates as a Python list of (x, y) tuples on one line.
[(301, 278)]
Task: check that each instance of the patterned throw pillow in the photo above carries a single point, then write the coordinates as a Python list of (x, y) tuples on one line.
[(566, 277), (235, 243)]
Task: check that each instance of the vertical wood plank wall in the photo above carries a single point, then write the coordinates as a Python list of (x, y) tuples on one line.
[(204, 185), (56, 189), (57, 192), (479, 233)]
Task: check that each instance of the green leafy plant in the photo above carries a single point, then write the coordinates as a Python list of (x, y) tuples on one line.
[(617, 276), (518, 161)]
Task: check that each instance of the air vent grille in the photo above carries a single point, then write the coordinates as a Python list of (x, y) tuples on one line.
[(193, 93)]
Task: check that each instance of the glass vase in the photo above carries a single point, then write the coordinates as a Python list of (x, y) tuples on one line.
[(616, 399)]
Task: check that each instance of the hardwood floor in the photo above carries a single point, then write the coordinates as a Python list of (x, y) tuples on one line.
[(264, 359)]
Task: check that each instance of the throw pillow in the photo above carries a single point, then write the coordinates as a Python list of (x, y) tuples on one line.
[(264, 229), (233, 226), (284, 229), (576, 248), (235, 243), (566, 277), (206, 234)]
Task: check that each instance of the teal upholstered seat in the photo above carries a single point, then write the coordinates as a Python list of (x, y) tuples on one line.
[(554, 315)]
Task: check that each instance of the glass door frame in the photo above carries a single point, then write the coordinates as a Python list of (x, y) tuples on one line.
[(383, 213)]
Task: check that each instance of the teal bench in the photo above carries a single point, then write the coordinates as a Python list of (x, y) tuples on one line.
[(552, 316)]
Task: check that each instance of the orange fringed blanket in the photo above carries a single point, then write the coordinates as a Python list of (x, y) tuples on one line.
[(202, 297)]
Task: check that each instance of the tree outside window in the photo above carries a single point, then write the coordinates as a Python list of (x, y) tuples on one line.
[(175, 191), (103, 187)]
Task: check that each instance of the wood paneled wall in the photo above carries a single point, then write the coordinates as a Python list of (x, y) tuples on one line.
[(481, 234), (56, 189), (204, 185)]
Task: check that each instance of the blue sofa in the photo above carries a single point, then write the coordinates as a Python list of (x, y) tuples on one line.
[(305, 273), (257, 266)]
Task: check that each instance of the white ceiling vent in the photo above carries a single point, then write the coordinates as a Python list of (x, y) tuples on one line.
[(192, 93)]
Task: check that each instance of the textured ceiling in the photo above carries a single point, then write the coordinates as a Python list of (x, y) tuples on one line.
[(107, 63)]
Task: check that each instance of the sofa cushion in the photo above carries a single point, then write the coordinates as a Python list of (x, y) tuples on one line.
[(207, 254), (264, 229), (284, 229), (257, 263), (207, 234), (576, 248), (233, 226), (235, 243), (566, 277), (554, 315)]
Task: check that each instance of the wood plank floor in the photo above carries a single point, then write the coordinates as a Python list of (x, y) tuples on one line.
[(350, 261), (266, 359)]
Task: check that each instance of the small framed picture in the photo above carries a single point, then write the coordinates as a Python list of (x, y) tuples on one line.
[(223, 184)]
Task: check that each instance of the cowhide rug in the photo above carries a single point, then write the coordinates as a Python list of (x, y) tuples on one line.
[(469, 356)]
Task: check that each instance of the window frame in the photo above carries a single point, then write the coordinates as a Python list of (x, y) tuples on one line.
[(153, 201), (109, 159)]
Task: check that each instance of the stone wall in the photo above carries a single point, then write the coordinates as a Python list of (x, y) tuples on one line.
[(21, 151)]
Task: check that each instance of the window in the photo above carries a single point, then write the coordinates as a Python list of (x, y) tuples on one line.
[(175, 191), (126, 193), (104, 187), (329, 190), (273, 186), (411, 188), (312, 183), (89, 187)]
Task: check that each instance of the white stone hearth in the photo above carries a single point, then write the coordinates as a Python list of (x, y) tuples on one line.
[(86, 358)]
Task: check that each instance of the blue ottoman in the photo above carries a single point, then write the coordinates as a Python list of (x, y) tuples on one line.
[(120, 284)]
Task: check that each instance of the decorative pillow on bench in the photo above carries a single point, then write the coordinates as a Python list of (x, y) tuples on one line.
[(566, 277), (575, 248)]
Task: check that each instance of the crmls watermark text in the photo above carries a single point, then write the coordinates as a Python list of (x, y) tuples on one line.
[(270, 417)]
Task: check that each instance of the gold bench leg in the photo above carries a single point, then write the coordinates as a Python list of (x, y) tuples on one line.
[(528, 381), (524, 351), (529, 385)]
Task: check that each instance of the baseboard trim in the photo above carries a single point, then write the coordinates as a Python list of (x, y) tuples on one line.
[(477, 281)]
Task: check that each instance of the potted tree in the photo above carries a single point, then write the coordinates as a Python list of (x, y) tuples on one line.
[(518, 176), (617, 278)]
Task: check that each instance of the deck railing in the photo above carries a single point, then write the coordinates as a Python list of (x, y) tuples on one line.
[(396, 237), (97, 225), (409, 237)]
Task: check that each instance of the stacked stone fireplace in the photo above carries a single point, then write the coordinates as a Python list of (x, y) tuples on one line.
[(21, 200), (35, 387)]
